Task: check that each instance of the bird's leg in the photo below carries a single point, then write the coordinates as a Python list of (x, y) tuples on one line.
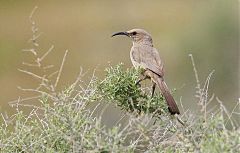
[(143, 77), (153, 89)]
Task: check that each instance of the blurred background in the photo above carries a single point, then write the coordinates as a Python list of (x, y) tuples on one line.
[(207, 29)]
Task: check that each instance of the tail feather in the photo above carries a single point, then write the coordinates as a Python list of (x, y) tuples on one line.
[(172, 106)]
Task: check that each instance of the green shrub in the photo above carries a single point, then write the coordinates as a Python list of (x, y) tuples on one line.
[(120, 87)]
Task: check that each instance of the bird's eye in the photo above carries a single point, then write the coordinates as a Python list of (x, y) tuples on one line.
[(134, 33)]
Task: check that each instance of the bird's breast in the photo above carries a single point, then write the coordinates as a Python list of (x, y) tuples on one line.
[(135, 57)]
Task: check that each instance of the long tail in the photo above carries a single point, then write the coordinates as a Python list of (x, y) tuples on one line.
[(172, 106)]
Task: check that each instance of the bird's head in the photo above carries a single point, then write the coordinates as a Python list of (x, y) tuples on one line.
[(137, 35)]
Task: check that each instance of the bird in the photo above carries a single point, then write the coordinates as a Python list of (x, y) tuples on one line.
[(145, 56)]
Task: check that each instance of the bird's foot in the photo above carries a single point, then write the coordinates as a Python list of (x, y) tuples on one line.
[(138, 83)]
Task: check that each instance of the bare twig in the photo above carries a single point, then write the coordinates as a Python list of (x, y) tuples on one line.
[(22, 100), (195, 72), (45, 54), (61, 67), (38, 91), (33, 75), (33, 11), (32, 50), (223, 108)]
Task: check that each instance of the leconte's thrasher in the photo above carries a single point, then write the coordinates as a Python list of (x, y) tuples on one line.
[(144, 55)]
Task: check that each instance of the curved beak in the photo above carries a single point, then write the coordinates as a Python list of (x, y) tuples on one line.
[(120, 33)]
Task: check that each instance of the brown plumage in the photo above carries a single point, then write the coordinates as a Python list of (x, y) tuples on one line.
[(144, 55)]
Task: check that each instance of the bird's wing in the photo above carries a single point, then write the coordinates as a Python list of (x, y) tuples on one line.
[(158, 60), (148, 58)]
